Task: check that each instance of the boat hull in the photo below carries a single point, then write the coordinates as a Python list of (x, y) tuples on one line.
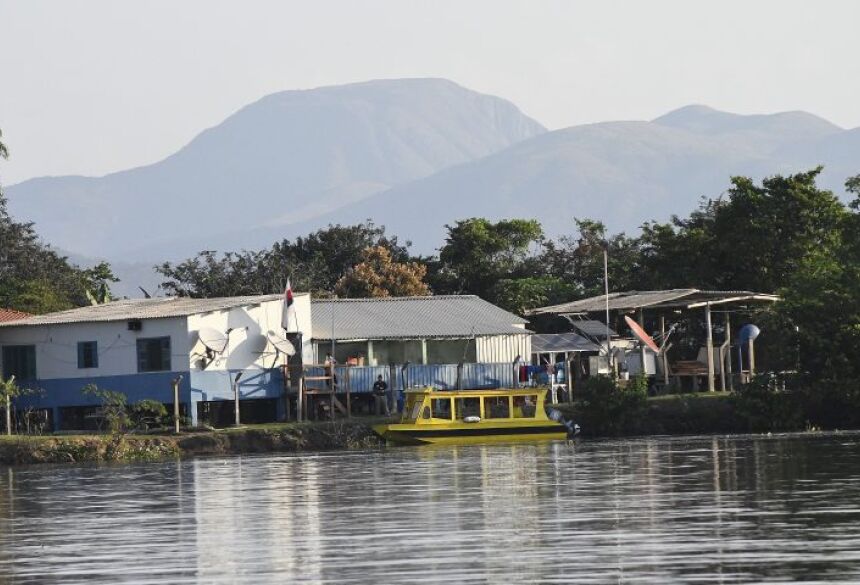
[(410, 434)]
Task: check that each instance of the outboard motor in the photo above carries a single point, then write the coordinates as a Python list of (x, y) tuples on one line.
[(572, 428)]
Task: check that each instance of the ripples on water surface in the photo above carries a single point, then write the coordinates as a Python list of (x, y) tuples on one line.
[(710, 510)]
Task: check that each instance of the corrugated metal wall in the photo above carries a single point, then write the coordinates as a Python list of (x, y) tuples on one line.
[(440, 376), (494, 349)]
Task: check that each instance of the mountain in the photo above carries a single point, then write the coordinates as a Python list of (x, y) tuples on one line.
[(415, 155), (289, 157), (622, 173)]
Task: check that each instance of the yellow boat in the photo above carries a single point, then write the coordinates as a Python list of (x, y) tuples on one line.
[(474, 416)]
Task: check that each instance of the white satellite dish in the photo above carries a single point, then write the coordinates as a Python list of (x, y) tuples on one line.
[(212, 339), (281, 345)]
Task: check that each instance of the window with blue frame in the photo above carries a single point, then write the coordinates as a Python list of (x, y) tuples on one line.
[(19, 361), (88, 354), (153, 354)]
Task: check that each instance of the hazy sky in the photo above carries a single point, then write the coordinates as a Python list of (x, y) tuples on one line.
[(93, 87)]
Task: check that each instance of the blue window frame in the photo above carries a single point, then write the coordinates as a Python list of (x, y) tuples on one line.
[(19, 361), (153, 354), (88, 354)]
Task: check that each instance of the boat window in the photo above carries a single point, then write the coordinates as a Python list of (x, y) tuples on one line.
[(497, 407), (425, 414), (524, 406), (467, 407), (441, 408), (416, 410)]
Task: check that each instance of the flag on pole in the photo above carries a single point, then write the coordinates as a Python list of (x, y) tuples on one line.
[(289, 321)]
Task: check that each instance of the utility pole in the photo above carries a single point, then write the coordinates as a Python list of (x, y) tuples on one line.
[(176, 382), (236, 396), (605, 245)]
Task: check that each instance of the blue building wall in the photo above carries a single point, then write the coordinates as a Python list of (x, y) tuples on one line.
[(200, 386), (195, 386), (218, 385), (62, 392)]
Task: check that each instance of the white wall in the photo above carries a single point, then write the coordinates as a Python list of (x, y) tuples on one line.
[(252, 327), (503, 348), (57, 346)]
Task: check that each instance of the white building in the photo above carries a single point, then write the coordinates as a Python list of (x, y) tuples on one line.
[(141, 347)]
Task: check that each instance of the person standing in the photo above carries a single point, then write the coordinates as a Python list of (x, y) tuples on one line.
[(328, 366), (380, 388)]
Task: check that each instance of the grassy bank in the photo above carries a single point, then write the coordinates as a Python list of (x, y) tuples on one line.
[(677, 414), (283, 437), (603, 411)]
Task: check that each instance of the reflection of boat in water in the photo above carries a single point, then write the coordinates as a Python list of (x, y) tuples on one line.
[(475, 416)]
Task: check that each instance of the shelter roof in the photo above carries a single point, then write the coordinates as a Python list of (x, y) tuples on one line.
[(452, 316), (561, 342), (129, 309), (673, 298)]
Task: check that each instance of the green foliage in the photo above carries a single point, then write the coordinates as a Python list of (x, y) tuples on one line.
[(36, 279), (9, 388), (766, 404), (521, 294), (607, 408), (114, 408), (477, 253), (578, 261), (755, 239), (316, 263), (148, 413)]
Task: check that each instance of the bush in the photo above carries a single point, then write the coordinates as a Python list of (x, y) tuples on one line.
[(830, 404), (768, 403), (113, 408), (149, 413), (608, 409)]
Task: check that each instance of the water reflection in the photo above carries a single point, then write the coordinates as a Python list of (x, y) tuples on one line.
[(714, 510)]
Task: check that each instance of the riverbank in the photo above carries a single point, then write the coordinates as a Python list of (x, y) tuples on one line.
[(355, 433), (682, 414)]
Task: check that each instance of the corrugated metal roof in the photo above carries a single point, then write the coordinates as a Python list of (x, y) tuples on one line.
[(593, 329), (628, 300), (411, 318), (561, 342), (12, 315), (157, 308)]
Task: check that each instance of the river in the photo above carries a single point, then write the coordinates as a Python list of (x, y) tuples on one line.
[(654, 510)]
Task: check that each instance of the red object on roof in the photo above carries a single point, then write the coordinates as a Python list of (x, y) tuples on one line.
[(641, 335), (12, 315)]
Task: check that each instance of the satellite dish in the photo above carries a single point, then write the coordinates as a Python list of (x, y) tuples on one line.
[(212, 339), (281, 345), (640, 334)]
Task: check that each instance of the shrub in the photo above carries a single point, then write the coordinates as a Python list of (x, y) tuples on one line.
[(113, 408), (148, 413), (769, 404), (609, 409)]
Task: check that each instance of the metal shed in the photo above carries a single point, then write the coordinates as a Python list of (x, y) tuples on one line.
[(664, 301)]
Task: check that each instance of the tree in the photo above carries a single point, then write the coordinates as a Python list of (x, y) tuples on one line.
[(314, 262), (521, 294), (578, 261), (821, 307), (114, 408), (478, 253), (9, 389), (378, 275), (4, 152), (755, 239), (34, 277)]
